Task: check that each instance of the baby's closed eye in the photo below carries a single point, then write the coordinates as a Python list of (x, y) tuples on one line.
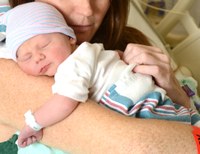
[(25, 57)]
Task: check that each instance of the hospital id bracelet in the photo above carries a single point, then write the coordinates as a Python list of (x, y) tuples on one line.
[(31, 122), (188, 90)]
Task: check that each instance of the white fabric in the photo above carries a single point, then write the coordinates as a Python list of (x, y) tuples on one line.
[(28, 20), (91, 70), (31, 122), (136, 85)]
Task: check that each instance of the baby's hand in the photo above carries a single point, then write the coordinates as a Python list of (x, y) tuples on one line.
[(28, 136)]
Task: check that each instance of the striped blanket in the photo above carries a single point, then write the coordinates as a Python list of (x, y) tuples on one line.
[(151, 105)]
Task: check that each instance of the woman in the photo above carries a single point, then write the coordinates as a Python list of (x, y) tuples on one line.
[(92, 128), (91, 20)]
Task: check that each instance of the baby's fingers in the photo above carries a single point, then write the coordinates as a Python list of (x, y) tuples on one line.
[(22, 143), (25, 142)]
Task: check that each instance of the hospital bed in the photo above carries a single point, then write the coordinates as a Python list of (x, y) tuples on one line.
[(179, 65), (186, 52)]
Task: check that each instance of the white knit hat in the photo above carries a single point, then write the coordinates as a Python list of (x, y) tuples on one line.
[(28, 20)]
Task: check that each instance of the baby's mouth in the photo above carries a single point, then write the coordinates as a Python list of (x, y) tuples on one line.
[(44, 69)]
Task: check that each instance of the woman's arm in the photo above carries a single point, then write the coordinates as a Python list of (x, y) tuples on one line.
[(90, 128)]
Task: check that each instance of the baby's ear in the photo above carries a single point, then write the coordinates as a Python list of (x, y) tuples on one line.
[(72, 40)]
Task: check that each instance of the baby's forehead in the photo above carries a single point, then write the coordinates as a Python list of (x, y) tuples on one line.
[(36, 41), (42, 40)]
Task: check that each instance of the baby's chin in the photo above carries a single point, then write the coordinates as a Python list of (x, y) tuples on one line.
[(49, 74), (38, 75)]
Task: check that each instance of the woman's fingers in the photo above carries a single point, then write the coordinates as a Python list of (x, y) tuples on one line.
[(161, 73), (141, 54), (152, 61), (138, 48), (147, 58)]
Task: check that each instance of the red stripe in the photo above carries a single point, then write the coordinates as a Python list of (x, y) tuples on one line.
[(115, 105)]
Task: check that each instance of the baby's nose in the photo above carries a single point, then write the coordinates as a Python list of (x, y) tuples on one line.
[(39, 57)]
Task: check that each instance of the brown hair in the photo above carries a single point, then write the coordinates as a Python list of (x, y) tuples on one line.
[(113, 32)]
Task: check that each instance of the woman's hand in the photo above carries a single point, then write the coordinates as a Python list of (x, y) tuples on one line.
[(152, 61)]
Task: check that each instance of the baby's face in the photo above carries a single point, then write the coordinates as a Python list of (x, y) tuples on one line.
[(42, 54)]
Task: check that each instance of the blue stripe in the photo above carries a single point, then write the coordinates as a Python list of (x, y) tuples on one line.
[(195, 118), (154, 112), (150, 115), (2, 28), (4, 8), (125, 101)]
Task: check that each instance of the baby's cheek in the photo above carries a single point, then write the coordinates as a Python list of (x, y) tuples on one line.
[(31, 70)]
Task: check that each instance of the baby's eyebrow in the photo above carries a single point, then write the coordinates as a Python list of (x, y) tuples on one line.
[(42, 44)]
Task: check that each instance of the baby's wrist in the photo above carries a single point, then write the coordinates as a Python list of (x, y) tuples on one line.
[(31, 122)]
